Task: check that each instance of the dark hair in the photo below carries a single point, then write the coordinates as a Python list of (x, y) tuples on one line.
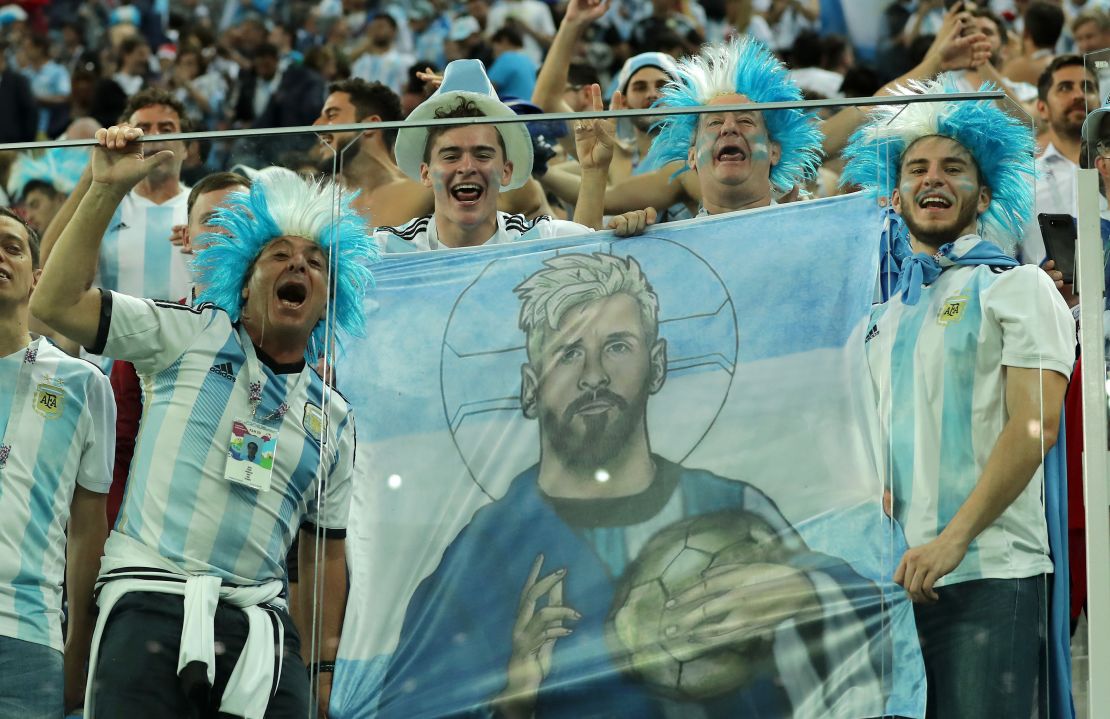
[(383, 16), (266, 49), (41, 42), (464, 108), (150, 96), (1044, 82), (832, 51), (372, 98), (860, 81), (41, 186), (508, 34), (920, 47), (580, 74), (1003, 33), (806, 51), (1043, 23), (129, 44), (202, 63), (212, 183), (32, 236)]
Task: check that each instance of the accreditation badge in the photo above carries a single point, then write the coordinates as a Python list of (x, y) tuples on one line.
[(251, 454)]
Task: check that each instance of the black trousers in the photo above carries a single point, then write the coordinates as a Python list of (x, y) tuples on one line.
[(136, 671)]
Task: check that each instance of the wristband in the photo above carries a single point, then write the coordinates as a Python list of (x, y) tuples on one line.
[(321, 668)]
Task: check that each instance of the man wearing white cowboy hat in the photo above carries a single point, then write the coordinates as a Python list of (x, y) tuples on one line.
[(466, 166)]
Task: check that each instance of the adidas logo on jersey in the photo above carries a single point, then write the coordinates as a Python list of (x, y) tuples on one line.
[(224, 370), (120, 227), (872, 334)]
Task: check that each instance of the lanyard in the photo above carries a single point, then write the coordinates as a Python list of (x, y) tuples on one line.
[(256, 382), (19, 399)]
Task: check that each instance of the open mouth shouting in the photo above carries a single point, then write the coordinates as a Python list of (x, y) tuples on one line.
[(467, 194), (5, 276), (291, 293), (730, 152)]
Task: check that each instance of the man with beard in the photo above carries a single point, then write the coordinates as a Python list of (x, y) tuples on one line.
[(1065, 92), (364, 161), (513, 621), (382, 60), (969, 359), (752, 159), (136, 255)]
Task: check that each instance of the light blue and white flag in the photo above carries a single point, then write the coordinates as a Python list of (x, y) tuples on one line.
[(627, 478)]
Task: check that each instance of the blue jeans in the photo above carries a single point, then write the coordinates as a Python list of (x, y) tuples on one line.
[(984, 648), (31, 684)]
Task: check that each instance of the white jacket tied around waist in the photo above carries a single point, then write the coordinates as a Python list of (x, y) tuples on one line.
[(133, 567)]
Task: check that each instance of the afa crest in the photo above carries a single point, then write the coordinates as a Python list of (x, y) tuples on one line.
[(49, 400), (314, 422), (953, 310)]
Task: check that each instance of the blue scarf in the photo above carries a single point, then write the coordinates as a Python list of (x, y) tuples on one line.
[(922, 269)]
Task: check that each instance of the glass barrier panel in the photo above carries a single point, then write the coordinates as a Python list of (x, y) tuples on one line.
[(700, 471)]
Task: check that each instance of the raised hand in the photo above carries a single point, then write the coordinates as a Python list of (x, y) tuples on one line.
[(431, 79), (119, 161), (632, 223), (958, 44), (535, 632), (179, 238), (594, 139), (584, 12)]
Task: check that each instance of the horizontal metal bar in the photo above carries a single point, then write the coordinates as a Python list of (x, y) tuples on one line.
[(546, 117)]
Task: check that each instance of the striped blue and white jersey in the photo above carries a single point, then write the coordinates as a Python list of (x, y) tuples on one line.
[(59, 430), (136, 256), (420, 234), (390, 68), (195, 367), (938, 369)]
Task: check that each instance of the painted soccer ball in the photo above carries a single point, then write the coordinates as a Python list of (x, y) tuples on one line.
[(671, 562)]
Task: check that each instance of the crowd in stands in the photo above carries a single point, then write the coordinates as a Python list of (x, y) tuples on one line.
[(69, 67)]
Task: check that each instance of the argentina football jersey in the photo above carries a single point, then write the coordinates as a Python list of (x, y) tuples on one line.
[(59, 430), (420, 234), (942, 403), (200, 376), (136, 256)]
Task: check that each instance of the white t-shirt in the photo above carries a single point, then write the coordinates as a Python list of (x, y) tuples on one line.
[(136, 256), (195, 369), (60, 431), (532, 13), (790, 23), (937, 368), (1055, 194), (390, 68), (420, 233)]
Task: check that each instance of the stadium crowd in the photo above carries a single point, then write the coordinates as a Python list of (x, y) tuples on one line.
[(69, 69)]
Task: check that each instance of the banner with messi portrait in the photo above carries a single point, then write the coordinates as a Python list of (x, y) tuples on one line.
[(626, 478)]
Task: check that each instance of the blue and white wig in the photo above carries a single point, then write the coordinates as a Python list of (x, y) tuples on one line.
[(58, 167), (1001, 145), (280, 203), (746, 67)]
